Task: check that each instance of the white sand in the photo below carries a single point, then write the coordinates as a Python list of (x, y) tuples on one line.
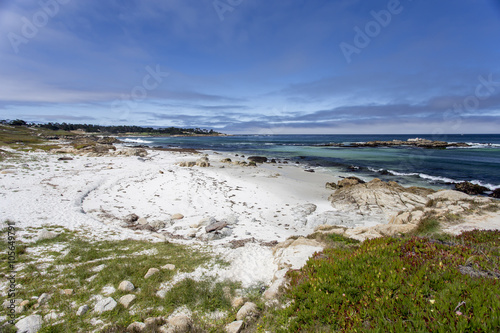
[(95, 193)]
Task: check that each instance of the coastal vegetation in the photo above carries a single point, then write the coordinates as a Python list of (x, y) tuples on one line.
[(438, 283), (110, 130)]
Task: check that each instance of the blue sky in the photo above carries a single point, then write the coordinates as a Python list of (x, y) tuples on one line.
[(252, 66)]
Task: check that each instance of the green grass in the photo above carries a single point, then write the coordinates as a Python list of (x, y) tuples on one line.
[(409, 284), (68, 262)]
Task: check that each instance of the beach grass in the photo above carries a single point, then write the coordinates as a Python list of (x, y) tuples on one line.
[(408, 284), (72, 262)]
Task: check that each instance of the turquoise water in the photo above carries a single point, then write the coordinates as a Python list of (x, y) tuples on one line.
[(408, 165)]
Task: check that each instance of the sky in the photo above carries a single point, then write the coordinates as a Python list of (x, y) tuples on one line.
[(255, 66)]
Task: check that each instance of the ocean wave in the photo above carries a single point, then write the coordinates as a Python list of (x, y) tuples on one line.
[(475, 145), (136, 140), (439, 179)]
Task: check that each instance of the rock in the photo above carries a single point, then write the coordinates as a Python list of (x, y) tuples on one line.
[(248, 310), (131, 218), (142, 221), (226, 160), (82, 310), (187, 164), (45, 234), (377, 201), (43, 298), (169, 267), (469, 188), (234, 327), (136, 327), (257, 159), (108, 290), (158, 224), (230, 220), (177, 217), (226, 232), (237, 302), (301, 212), (126, 286), (30, 324), (127, 300), (6, 303), (204, 222), (181, 323), (151, 272), (52, 315), (203, 162), (349, 181), (450, 195), (216, 226), (24, 303), (68, 292), (309, 170), (104, 305), (65, 159), (496, 193), (331, 186)]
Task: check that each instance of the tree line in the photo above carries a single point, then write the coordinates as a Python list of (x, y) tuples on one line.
[(111, 129)]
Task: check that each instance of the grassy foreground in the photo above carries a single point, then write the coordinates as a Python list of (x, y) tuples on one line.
[(88, 268), (410, 284)]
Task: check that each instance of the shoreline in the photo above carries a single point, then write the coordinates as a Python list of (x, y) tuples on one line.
[(262, 220)]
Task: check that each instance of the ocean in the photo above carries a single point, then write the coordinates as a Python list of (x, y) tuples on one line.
[(435, 168)]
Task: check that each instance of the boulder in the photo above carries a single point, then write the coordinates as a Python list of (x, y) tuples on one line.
[(151, 272), (127, 300), (496, 193), (142, 221), (234, 327), (226, 160), (30, 324), (177, 217), (82, 310), (216, 226), (450, 195), (257, 159), (104, 305), (158, 224), (45, 234), (126, 286), (203, 162), (169, 267), (43, 298), (131, 218), (469, 188), (187, 164), (136, 327), (248, 310), (181, 323)]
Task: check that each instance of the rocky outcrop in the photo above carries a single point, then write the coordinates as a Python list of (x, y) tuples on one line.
[(416, 142), (496, 193), (469, 188), (378, 200), (349, 181), (257, 159)]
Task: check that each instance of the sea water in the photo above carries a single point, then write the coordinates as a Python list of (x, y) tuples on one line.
[(438, 168)]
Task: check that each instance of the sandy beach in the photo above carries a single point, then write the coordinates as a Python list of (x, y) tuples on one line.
[(265, 204)]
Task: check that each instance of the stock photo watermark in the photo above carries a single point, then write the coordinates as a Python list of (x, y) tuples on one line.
[(221, 7), (139, 93), (30, 28), (11, 275), (373, 28)]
